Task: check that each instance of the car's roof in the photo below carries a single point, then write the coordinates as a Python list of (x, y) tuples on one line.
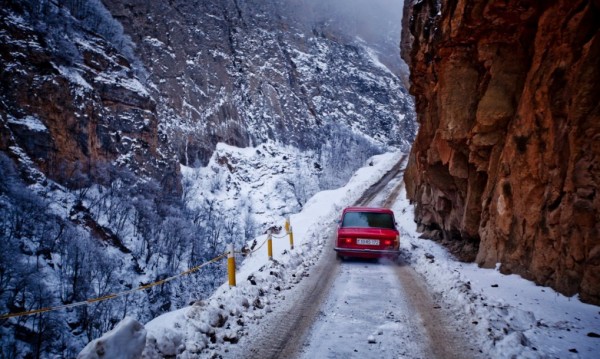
[(368, 209)]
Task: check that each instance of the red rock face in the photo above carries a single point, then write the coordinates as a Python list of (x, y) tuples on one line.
[(506, 164)]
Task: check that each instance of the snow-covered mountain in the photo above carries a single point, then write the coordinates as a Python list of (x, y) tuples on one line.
[(113, 175), (243, 72)]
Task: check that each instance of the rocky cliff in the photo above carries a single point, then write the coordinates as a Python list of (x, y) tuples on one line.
[(504, 168), (149, 86), (71, 101), (242, 72)]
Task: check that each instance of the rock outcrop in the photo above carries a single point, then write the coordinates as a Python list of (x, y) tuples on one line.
[(505, 167), (76, 106)]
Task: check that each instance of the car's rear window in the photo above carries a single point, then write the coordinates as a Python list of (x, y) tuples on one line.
[(368, 219)]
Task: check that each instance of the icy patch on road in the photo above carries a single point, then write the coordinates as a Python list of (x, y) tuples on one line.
[(367, 315)]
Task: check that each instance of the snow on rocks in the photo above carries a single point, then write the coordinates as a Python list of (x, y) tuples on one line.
[(125, 341), (31, 122)]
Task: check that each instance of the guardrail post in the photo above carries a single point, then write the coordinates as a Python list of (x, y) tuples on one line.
[(270, 246), (288, 230), (231, 265)]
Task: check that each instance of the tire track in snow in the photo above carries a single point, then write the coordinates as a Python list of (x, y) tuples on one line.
[(379, 188), (442, 336), (291, 322)]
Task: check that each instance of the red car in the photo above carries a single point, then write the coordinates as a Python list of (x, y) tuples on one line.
[(367, 233)]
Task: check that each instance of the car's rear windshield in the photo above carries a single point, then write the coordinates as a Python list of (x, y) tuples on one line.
[(368, 219)]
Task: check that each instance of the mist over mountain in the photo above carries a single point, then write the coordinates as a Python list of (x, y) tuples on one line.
[(376, 22)]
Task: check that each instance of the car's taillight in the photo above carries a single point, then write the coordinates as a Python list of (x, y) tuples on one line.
[(387, 242), (346, 240)]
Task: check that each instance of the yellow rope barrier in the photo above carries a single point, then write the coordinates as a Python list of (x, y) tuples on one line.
[(120, 294), (111, 296), (254, 250)]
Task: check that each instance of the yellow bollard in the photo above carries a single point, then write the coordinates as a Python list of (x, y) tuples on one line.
[(231, 265), (291, 233), (270, 246), (287, 225)]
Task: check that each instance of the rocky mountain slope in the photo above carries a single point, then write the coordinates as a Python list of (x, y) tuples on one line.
[(505, 164), (243, 72), (153, 85), (71, 100)]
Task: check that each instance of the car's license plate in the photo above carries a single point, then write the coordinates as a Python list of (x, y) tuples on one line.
[(367, 242)]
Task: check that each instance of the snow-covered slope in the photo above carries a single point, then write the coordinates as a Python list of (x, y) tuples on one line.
[(230, 313)]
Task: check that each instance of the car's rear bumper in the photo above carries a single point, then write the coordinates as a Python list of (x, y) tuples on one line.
[(367, 253)]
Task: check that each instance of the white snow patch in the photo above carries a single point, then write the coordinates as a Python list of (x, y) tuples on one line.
[(375, 60), (73, 76), (154, 41), (31, 122), (131, 84)]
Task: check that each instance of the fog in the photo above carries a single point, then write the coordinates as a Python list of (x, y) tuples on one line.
[(372, 20), (377, 23)]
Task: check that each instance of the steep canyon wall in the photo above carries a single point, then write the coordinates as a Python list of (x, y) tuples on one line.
[(506, 164)]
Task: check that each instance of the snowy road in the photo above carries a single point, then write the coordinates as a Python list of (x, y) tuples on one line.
[(361, 309), (382, 309), (370, 314)]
